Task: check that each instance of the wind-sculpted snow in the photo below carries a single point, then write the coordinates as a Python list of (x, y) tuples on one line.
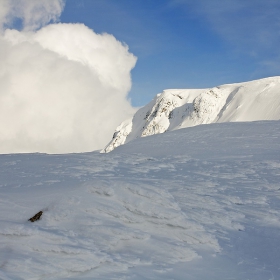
[(174, 109), (197, 203)]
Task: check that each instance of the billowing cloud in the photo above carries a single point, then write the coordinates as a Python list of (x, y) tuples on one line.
[(63, 88)]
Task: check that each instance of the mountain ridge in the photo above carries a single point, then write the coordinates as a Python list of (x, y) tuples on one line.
[(180, 108)]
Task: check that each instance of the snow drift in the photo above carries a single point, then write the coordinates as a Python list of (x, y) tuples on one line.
[(178, 108), (195, 203)]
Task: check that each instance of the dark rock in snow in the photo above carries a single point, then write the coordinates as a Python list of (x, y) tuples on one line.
[(36, 217)]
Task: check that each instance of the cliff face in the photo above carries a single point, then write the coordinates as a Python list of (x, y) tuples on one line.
[(180, 108)]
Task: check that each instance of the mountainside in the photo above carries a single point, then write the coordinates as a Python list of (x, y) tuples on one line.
[(200, 203), (179, 108)]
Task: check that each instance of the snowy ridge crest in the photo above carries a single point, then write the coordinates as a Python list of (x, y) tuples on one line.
[(180, 108)]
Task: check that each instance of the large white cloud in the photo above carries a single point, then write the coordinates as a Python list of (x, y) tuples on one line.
[(63, 88)]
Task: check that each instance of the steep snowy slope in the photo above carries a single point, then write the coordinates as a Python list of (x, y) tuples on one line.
[(174, 109), (199, 203)]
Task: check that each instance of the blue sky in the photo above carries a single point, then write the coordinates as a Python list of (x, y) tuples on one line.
[(188, 43)]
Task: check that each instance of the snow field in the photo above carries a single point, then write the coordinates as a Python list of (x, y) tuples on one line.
[(196, 203)]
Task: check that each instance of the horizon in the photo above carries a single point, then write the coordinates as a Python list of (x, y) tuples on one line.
[(73, 71)]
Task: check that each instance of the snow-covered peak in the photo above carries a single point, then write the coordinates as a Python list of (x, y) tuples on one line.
[(179, 108)]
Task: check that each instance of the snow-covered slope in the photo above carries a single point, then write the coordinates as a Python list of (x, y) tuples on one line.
[(197, 203), (174, 109)]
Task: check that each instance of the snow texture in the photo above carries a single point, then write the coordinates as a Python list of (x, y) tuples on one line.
[(178, 108), (195, 203)]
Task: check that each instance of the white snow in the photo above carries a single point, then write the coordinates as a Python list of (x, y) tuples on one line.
[(179, 108), (195, 203)]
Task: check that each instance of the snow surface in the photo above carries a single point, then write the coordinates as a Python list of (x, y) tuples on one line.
[(196, 203), (179, 108)]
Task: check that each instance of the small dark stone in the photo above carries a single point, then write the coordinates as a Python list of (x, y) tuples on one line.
[(36, 217)]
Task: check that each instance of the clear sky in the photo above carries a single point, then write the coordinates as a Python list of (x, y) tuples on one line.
[(187, 43)]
